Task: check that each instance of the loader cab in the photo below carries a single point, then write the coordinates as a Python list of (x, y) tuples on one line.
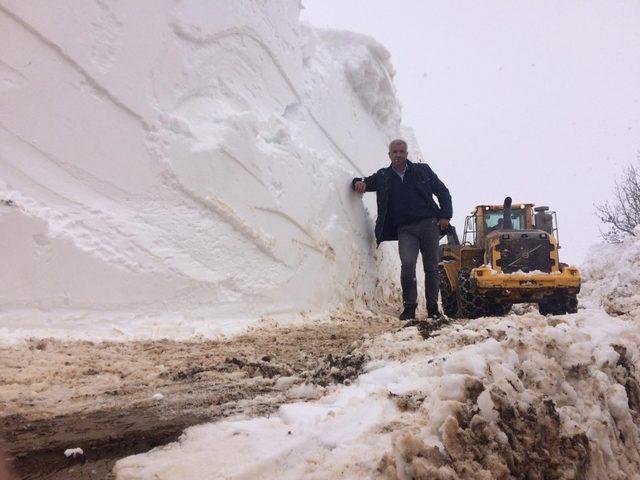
[(524, 216), (488, 218)]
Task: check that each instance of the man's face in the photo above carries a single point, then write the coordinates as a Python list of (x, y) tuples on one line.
[(398, 154)]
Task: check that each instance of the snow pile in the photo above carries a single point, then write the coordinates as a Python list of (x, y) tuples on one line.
[(188, 177), (611, 278), (529, 396), (73, 452)]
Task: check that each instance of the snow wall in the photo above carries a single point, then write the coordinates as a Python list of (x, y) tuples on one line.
[(192, 158)]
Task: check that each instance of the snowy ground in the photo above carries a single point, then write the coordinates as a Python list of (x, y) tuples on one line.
[(552, 397)]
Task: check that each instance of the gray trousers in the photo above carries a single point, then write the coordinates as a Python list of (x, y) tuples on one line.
[(423, 237)]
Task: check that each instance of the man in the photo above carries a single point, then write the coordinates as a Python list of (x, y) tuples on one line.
[(408, 213)]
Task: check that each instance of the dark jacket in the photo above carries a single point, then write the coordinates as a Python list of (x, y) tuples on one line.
[(428, 185)]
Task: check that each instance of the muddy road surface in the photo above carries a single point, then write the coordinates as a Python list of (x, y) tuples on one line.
[(117, 399)]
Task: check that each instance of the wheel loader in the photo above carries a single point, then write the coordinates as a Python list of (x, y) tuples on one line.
[(509, 254)]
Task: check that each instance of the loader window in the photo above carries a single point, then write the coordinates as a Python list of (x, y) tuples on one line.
[(493, 219)]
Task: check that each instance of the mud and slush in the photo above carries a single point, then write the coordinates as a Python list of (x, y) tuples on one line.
[(100, 396)]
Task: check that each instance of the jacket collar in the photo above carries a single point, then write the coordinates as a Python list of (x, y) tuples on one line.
[(409, 164)]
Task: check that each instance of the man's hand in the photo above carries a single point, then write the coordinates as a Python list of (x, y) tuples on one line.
[(443, 224), (360, 187)]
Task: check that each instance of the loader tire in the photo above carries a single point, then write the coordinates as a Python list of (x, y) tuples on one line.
[(572, 304), (470, 304), (559, 303), (447, 295), (499, 309), (550, 306)]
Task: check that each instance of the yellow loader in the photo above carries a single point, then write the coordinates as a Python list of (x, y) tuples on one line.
[(509, 254)]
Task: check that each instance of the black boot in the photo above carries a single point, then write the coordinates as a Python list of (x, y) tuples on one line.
[(408, 313), (437, 316)]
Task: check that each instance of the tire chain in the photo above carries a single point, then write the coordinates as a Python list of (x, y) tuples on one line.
[(449, 300), (470, 304)]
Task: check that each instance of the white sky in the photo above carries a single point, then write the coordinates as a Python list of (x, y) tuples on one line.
[(537, 100)]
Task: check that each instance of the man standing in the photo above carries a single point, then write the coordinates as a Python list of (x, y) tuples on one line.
[(408, 213)]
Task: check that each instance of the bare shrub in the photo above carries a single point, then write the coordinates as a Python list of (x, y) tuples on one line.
[(622, 214)]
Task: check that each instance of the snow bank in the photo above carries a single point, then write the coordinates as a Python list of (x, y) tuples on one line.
[(519, 397), (611, 278), (183, 168)]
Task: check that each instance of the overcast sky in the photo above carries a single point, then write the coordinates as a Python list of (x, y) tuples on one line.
[(537, 100)]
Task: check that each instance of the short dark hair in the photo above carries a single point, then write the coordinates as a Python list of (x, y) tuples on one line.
[(396, 141)]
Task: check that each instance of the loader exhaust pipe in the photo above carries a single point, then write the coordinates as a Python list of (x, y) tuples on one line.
[(507, 224)]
